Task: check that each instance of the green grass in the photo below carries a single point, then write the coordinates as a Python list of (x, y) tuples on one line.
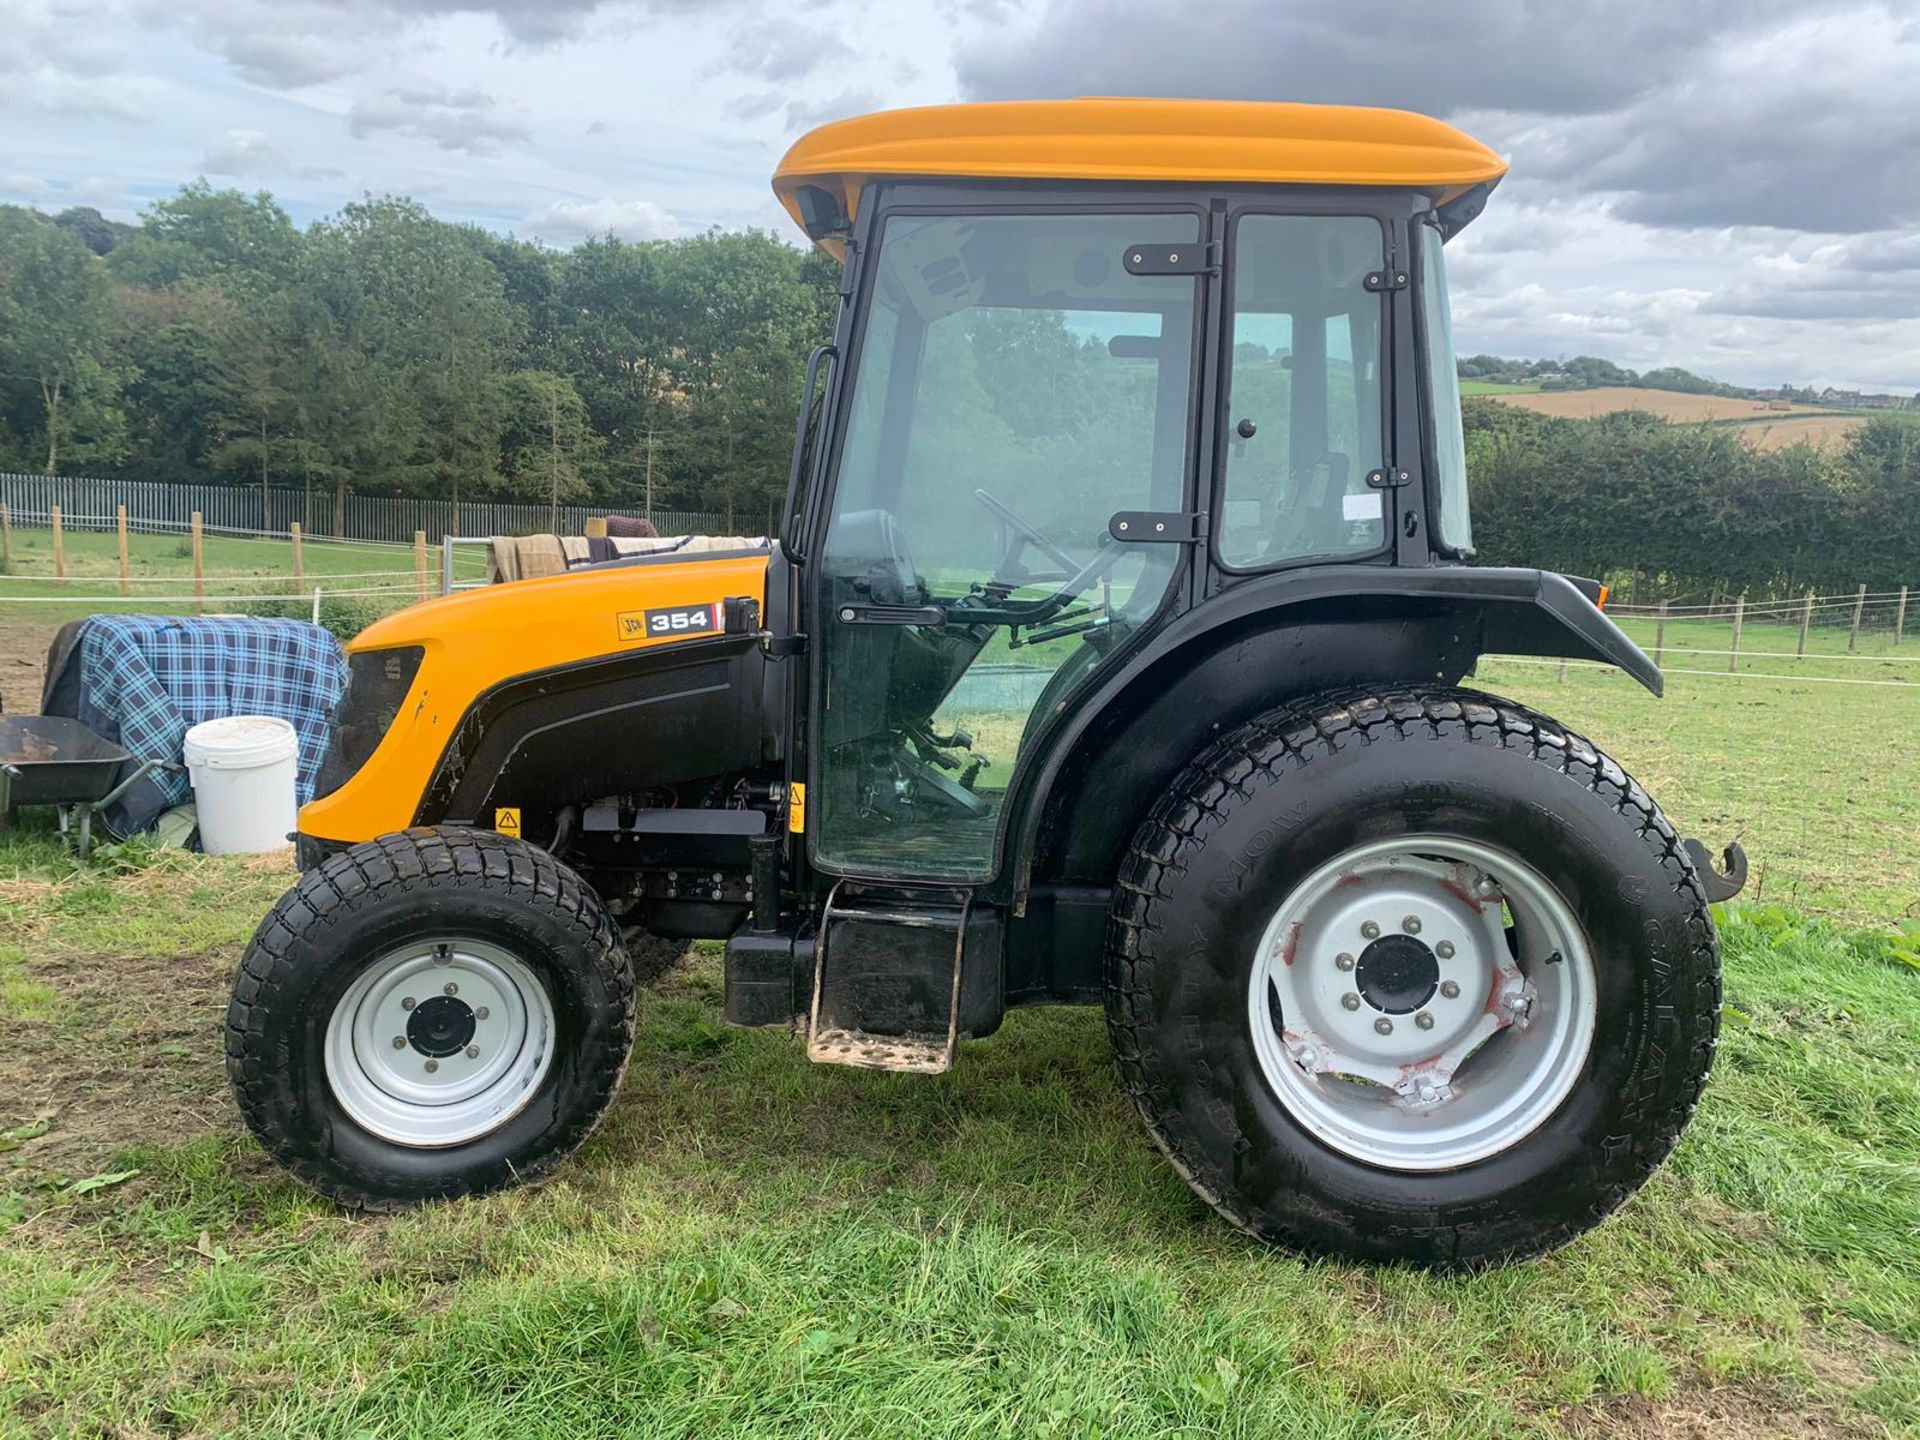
[(1499, 387), (751, 1246)]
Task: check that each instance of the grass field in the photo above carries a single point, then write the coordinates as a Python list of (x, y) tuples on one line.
[(754, 1247), (1499, 387)]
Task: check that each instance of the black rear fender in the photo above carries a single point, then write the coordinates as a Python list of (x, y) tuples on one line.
[(1111, 754)]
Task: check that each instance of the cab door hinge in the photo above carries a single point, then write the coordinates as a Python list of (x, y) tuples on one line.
[(1391, 478), (1394, 277), (1158, 527), (1194, 258), (779, 647)]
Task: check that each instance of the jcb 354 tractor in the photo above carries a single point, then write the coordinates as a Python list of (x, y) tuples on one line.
[(1110, 653)]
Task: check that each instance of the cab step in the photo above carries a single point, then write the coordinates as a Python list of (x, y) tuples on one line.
[(886, 977)]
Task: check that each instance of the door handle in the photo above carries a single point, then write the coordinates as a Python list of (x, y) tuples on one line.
[(891, 614)]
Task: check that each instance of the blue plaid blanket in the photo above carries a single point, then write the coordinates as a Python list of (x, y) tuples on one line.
[(145, 680)]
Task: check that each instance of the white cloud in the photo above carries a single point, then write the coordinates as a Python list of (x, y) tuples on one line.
[(245, 153), (468, 119), (566, 222)]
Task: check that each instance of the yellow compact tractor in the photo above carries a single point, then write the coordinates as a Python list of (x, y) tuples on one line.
[(1111, 652)]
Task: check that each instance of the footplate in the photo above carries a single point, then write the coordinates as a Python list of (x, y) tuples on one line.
[(881, 1052), (886, 978)]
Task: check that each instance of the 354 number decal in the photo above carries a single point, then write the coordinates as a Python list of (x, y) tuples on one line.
[(669, 622)]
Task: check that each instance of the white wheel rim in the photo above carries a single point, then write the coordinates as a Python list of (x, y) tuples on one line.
[(390, 1054), (1382, 1068)]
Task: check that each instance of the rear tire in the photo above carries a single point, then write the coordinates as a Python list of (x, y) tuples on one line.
[(1242, 903), (434, 1013)]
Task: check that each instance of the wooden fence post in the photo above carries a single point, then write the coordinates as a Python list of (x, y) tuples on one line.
[(420, 561), (1806, 622), (1660, 632), (120, 525), (299, 575), (1739, 615), (6, 539), (199, 566), (59, 544), (1563, 672), (1859, 604), (1900, 619)]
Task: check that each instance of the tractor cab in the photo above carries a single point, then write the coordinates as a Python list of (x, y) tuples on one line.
[(1100, 361)]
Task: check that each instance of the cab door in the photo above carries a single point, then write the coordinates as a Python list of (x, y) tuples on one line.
[(1016, 384)]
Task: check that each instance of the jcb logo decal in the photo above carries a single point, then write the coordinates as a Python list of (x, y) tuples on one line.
[(668, 623)]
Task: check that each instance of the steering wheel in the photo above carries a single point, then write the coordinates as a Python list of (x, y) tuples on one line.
[(1025, 528)]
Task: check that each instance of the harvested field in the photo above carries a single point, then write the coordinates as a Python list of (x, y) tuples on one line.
[(1667, 404), (1792, 429)]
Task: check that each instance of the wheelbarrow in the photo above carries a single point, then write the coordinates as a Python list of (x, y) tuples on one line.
[(52, 760)]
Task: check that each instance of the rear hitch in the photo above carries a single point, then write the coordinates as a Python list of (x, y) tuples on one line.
[(1719, 884)]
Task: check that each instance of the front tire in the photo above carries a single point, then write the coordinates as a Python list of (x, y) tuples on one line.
[(1411, 976), (434, 1013)]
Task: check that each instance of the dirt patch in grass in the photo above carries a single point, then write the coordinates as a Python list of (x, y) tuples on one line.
[(23, 659), (1709, 1415), (131, 1057)]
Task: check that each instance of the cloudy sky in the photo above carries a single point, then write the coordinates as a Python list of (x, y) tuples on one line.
[(1729, 185)]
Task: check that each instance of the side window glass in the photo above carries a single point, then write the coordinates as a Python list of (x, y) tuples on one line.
[(1304, 420)]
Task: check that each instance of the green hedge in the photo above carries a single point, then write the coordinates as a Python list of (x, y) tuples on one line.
[(1685, 511)]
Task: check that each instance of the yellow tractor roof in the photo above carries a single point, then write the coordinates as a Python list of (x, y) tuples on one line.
[(1171, 141)]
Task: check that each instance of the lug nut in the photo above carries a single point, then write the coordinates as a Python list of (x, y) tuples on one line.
[(1383, 1026), (399, 1042), (449, 988), (1444, 949), (408, 1003), (1411, 924), (1350, 1000), (432, 1065), (1450, 989), (480, 1012), (1423, 1020), (1370, 931), (1343, 961), (1486, 889), (473, 1052), (1429, 1093)]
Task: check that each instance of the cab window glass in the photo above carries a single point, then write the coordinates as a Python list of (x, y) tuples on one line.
[(1304, 415)]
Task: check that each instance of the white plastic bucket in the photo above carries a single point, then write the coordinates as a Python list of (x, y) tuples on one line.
[(243, 770)]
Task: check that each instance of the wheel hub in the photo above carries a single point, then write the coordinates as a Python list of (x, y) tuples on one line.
[(1401, 1017), (1397, 974), (439, 1042), (441, 1026)]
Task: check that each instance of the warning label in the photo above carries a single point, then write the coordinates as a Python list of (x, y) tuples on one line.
[(507, 821)]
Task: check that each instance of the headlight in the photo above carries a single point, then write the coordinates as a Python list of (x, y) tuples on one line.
[(377, 685)]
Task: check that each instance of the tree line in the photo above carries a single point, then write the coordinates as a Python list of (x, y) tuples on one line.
[(1683, 512), (385, 351)]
